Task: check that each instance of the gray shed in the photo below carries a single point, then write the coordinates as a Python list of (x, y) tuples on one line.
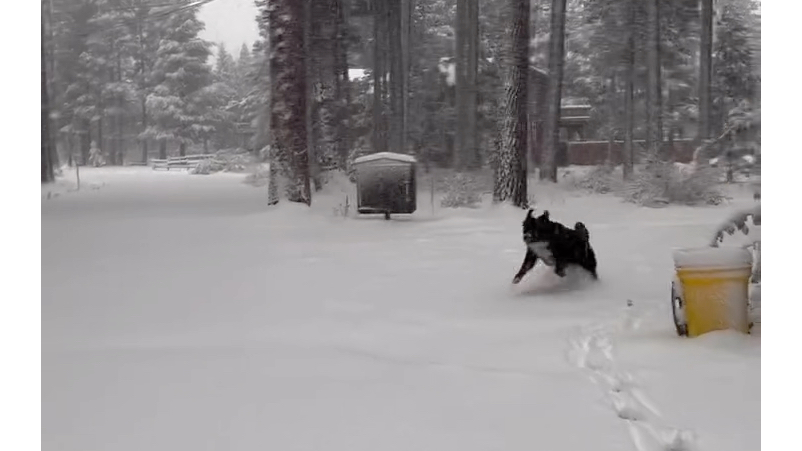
[(385, 183)]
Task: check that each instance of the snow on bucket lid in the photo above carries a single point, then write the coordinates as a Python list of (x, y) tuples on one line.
[(712, 257)]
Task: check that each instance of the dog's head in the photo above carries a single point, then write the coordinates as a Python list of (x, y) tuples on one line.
[(538, 228)]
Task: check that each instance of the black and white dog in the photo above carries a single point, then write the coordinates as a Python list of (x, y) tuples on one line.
[(556, 245)]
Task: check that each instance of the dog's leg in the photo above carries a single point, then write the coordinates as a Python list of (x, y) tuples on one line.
[(589, 263), (559, 268), (529, 262)]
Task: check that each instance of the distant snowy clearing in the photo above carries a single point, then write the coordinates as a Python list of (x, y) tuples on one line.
[(179, 312)]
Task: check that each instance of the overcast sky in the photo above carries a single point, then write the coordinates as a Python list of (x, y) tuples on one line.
[(232, 22)]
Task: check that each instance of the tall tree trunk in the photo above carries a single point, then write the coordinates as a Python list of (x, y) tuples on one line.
[(144, 127), (510, 175), (140, 24), (48, 175), (163, 149), (474, 160), (120, 150), (327, 66), (99, 125), (316, 15), (396, 91), (406, 34), (654, 94), (182, 148), (466, 153), (629, 101), (551, 141), (86, 140), (289, 96), (612, 98), (52, 94), (705, 70), (379, 48), (343, 89), (460, 66)]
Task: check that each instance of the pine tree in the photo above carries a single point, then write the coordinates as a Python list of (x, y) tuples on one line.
[(224, 65), (181, 73), (110, 51), (146, 28), (75, 103), (219, 101), (254, 105), (734, 80)]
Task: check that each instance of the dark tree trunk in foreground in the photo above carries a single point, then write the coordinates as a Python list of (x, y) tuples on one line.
[(48, 174), (551, 139), (510, 174), (288, 97)]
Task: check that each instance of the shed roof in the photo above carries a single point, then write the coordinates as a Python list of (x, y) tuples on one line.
[(386, 156)]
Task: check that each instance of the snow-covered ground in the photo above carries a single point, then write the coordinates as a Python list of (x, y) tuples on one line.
[(180, 313)]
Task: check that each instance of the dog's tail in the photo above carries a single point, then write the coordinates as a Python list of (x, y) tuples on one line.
[(582, 231)]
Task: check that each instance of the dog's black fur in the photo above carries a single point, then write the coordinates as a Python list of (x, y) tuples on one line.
[(556, 245)]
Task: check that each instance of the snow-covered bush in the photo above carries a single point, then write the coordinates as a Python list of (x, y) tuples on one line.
[(674, 183), (206, 167), (738, 222), (601, 179), (234, 160), (343, 209), (96, 158), (461, 190), (260, 175)]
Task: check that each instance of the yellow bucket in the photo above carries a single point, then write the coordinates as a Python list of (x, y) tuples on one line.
[(714, 288)]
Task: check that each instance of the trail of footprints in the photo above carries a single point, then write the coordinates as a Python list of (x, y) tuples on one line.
[(592, 351)]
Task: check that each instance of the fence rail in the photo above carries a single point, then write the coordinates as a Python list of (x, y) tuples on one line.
[(185, 162)]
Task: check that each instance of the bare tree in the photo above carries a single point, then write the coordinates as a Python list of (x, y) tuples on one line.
[(510, 183), (288, 98), (554, 94)]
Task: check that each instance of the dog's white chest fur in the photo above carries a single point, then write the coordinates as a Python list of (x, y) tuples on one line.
[(541, 249)]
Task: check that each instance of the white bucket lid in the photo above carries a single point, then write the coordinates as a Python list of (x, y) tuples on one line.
[(713, 257)]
